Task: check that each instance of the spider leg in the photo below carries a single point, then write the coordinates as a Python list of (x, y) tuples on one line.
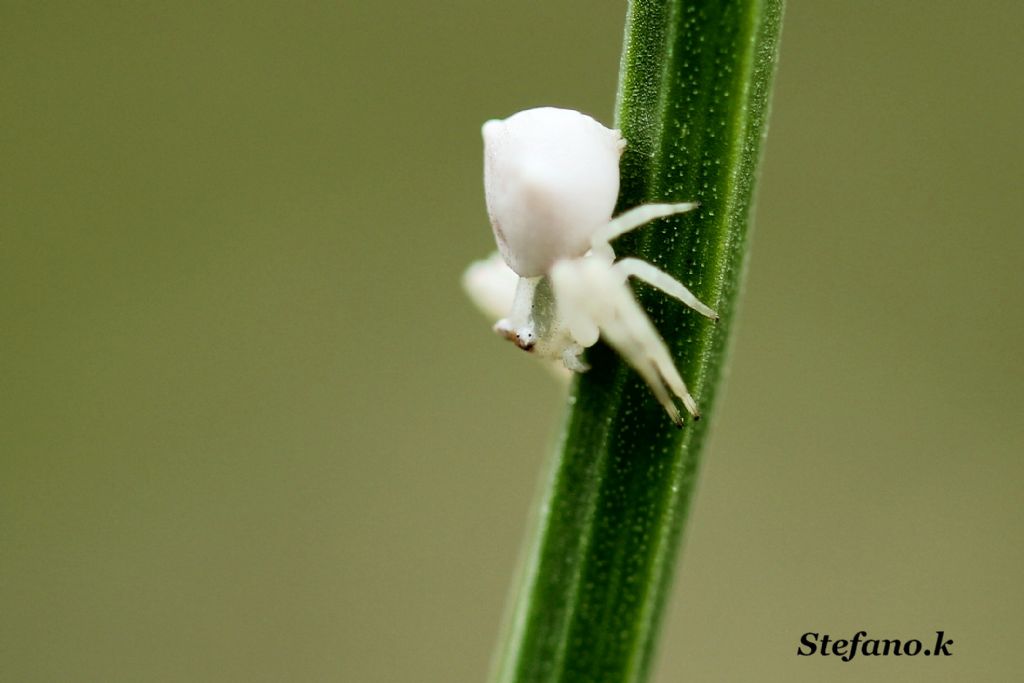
[(592, 297), (491, 285), (571, 359), (658, 278), (628, 329), (634, 218)]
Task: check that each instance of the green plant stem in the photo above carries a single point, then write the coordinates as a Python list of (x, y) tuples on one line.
[(693, 100)]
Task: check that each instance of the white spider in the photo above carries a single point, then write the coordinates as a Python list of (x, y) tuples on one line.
[(551, 178)]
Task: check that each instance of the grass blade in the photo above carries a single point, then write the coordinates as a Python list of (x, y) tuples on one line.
[(693, 102)]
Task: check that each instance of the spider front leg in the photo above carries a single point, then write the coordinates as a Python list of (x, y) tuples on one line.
[(594, 299), (660, 279), (633, 219)]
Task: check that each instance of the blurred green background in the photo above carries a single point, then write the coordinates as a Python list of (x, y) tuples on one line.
[(253, 431)]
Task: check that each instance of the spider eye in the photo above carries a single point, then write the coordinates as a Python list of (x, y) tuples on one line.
[(526, 340)]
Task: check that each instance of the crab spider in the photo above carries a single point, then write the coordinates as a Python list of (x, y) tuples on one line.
[(551, 178)]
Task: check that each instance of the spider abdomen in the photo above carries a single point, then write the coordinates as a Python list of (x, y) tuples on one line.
[(551, 178)]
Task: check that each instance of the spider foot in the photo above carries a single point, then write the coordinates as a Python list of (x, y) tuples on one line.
[(572, 357)]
